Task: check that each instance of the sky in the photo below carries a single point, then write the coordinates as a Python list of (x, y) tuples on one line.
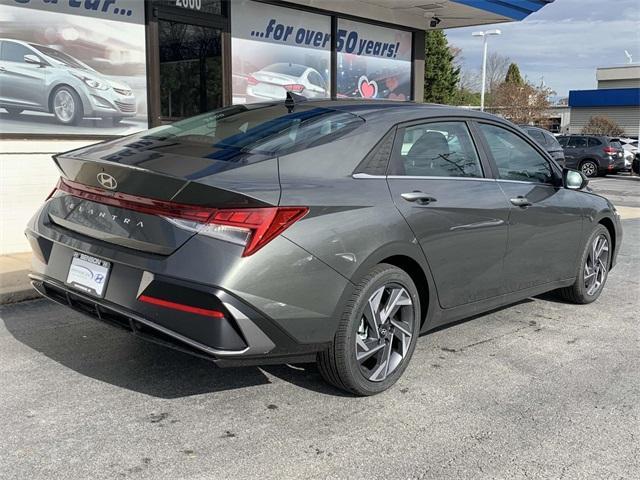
[(564, 42)]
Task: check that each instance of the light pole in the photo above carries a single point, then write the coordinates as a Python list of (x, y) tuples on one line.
[(484, 36)]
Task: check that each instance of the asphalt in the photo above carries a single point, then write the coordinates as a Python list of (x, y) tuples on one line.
[(540, 389)]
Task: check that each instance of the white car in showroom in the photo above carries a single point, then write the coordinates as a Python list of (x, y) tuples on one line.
[(274, 81)]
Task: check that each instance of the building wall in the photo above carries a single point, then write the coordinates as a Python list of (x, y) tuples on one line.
[(627, 117), (27, 176), (619, 83)]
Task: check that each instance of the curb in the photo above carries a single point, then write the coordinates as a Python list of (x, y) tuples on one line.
[(16, 296)]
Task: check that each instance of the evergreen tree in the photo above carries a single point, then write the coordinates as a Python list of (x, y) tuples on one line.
[(441, 76), (513, 75)]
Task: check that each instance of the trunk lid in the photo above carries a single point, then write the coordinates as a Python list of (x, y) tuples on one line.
[(178, 171)]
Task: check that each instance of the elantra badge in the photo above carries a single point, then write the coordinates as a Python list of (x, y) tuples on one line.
[(107, 181)]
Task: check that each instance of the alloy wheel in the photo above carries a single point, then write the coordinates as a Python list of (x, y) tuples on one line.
[(385, 331), (589, 169), (595, 268), (64, 105)]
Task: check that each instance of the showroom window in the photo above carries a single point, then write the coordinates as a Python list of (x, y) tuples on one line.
[(276, 50), (373, 61)]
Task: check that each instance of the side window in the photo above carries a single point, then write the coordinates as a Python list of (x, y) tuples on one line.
[(514, 157), (563, 141), (579, 142), (442, 149), (14, 52), (316, 79), (594, 142)]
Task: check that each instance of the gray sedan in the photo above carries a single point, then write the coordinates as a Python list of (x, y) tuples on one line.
[(329, 230)]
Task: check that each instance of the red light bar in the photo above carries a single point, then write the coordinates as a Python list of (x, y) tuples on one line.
[(261, 224), (137, 204), (180, 307)]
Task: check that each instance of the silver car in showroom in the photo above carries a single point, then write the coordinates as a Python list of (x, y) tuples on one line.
[(274, 81), (39, 78)]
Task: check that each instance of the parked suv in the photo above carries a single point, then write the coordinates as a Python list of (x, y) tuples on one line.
[(593, 155), (546, 141), (40, 78)]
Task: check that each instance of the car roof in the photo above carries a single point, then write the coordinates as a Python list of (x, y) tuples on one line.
[(396, 111)]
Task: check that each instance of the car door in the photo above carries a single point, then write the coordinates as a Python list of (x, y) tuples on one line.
[(456, 210), (545, 219), (21, 83)]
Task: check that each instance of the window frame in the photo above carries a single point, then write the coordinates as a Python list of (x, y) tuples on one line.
[(485, 167), (555, 168)]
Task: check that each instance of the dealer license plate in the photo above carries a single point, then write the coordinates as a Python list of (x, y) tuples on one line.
[(88, 274)]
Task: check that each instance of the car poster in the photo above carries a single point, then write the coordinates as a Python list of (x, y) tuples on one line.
[(72, 67), (275, 50)]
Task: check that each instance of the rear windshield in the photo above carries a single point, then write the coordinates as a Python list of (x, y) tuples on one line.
[(286, 69), (263, 129)]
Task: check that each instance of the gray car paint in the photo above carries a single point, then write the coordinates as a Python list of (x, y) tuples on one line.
[(471, 250)]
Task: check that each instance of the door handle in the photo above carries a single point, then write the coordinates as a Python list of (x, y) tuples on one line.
[(420, 198), (521, 201)]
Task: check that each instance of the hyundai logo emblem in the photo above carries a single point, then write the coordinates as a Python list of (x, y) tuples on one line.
[(107, 181)]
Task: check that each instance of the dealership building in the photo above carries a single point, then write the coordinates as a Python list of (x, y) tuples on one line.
[(75, 72), (617, 97)]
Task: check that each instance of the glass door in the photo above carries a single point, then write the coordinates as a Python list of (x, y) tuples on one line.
[(190, 60)]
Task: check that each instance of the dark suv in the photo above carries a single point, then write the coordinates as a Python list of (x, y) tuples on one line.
[(593, 155), (546, 141)]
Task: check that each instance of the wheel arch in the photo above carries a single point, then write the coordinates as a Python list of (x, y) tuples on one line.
[(608, 224), (408, 257)]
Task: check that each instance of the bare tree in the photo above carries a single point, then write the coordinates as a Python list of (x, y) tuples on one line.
[(522, 104), (603, 125), (497, 67)]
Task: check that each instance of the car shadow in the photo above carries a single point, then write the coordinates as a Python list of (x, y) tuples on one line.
[(116, 357)]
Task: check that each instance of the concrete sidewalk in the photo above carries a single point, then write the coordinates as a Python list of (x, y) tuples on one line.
[(14, 282)]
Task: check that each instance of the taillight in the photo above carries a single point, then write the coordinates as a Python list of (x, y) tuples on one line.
[(252, 228), (251, 80), (294, 87), (610, 150)]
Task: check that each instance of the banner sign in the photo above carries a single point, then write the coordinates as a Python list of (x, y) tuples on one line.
[(73, 67)]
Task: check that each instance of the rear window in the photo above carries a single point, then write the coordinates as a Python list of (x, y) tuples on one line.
[(261, 129), (551, 140), (615, 143), (286, 68), (563, 141), (594, 142)]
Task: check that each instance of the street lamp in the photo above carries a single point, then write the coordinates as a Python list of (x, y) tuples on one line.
[(484, 36)]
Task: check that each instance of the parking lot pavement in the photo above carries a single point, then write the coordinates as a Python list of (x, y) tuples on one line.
[(623, 190), (541, 389)]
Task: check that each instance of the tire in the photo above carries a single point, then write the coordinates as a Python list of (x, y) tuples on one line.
[(581, 292), (66, 106), (385, 352), (589, 168), (13, 111)]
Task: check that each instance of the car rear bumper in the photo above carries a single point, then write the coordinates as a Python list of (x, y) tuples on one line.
[(263, 320)]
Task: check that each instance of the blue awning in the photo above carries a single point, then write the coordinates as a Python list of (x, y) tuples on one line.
[(514, 9), (605, 97)]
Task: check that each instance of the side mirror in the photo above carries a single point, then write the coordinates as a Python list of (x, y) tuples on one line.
[(573, 179), (33, 59)]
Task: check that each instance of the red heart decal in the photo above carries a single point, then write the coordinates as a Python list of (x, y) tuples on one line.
[(368, 89)]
